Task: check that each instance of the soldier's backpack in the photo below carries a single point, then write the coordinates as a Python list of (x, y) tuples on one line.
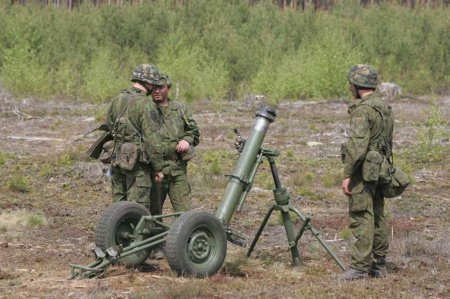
[(393, 180)]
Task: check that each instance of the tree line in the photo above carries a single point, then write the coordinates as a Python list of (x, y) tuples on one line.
[(283, 4), (220, 49)]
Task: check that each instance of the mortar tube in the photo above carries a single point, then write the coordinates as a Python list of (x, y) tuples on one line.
[(241, 173)]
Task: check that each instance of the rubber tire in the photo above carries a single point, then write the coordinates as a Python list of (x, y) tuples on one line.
[(191, 229), (121, 216)]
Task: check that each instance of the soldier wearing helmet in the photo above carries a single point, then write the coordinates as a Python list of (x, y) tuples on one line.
[(136, 157), (369, 144), (145, 75), (179, 135)]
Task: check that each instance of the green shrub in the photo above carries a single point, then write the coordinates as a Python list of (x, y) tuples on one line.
[(316, 69), (309, 176), (46, 170), (66, 159), (72, 155), (214, 167), (195, 73), (18, 183), (21, 72), (219, 49), (35, 220), (102, 78), (429, 148)]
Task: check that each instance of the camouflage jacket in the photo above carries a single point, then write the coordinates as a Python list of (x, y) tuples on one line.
[(176, 123), (115, 117), (371, 128), (127, 121)]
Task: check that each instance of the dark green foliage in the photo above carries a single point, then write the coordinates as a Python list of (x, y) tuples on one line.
[(217, 48), (18, 183)]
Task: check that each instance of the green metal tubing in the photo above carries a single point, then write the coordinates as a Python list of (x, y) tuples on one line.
[(304, 227), (100, 264), (144, 244), (261, 228), (316, 234), (251, 179), (90, 270), (282, 198), (241, 174), (154, 219), (289, 227)]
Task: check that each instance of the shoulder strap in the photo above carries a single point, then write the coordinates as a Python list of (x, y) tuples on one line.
[(116, 122), (375, 108), (384, 146), (181, 111)]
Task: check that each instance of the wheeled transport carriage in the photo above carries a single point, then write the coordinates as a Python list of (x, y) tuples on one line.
[(195, 244)]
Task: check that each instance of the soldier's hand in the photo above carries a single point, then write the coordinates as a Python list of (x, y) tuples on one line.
[(159, 176), (182, 146), (345, 187)]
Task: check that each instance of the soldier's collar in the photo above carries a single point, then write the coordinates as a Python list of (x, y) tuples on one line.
[(367, 95), (136, 90)]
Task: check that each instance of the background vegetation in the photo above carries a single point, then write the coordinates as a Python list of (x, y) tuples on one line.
[(219, 49)]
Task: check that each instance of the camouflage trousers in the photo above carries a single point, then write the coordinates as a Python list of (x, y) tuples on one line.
[(178, 189), (368, 224), (132, 185)]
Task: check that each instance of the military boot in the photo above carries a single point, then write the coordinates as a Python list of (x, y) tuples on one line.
[(378, 268), (353, 274)]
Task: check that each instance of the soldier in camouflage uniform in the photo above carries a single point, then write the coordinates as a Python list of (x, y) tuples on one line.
[(368, 145), (130, 129), (179, 134)]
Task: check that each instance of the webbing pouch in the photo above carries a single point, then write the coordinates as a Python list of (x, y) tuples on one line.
[(371, 166)]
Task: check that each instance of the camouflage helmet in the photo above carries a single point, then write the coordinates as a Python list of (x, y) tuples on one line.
[(163, 80), (363, 75), (145, 73)]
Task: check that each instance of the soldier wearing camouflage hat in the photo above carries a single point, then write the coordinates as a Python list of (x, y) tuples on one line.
[(135, 139), (179, 135), (369, 144)]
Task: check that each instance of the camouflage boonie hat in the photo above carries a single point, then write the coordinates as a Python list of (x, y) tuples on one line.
[(145, 73), (163, 80), (363, 75)]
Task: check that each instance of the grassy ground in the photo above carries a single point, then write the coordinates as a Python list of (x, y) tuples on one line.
[(51, 197)]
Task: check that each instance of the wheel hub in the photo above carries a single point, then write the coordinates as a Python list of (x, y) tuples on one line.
[(199, 247)]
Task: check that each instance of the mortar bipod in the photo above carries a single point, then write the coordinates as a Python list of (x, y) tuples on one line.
[(282, 203)]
